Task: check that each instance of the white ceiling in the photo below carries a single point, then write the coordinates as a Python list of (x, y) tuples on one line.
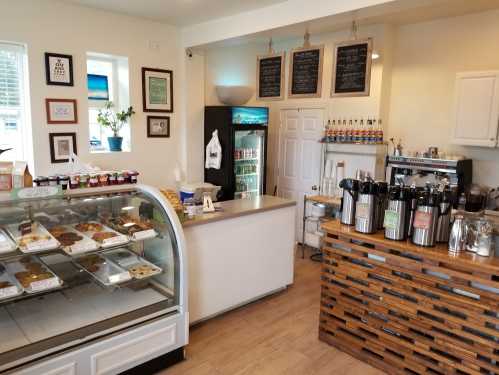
[(177, 12)]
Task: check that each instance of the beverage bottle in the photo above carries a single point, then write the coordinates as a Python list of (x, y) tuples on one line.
[(372, 132), (362, 131), (333, 132), (380, 133), (344, 135), (329, 131), (355, 137), (350, 131)]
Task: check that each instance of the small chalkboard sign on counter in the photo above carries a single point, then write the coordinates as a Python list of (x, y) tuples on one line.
[(306, 72), (270, 77), (352, 68)]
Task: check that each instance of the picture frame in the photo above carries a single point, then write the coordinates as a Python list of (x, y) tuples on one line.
[(157, 90), (158, 127), (61, 146), (265, 82), (59, 69), (61, 111), (98, 87), (300, 84), (358, 53)]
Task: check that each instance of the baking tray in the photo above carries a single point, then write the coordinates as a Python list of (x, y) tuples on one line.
[(131, 262), (85, 245), (102, 269), (14, 267), (48, 242), (128, 228), (14, 289), (7, 245), (118, 240)]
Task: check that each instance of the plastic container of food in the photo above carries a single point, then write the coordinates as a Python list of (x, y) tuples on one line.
[(33, 275), (9, 286), (134, 176), (93, 181), (138, 267), (38, 240), (120, 178), (74, 181), (64, 182), (73, 242), (137, 228), (84, 180), (53, 180), (103, 270), (6, 243), (113, 178), (103, 235), (103, 179)]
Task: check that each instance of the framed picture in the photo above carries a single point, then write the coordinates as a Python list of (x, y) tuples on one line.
[(59, 69), (62, 145), (61, 111), (158, 127), (98, 87), (270, 76), (157, 90), (305, 77)]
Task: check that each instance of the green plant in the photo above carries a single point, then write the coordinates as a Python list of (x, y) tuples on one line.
[(113, 120)]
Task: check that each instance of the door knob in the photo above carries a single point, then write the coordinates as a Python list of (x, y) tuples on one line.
[(315, 187)]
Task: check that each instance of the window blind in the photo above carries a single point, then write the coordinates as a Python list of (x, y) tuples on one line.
[(11, 75)]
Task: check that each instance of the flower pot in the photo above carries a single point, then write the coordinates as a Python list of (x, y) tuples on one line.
[(115, 143)]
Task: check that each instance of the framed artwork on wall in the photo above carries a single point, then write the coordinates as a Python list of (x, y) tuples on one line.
[(61, 111), (158, 127), (59, 69), (98, 87), (157, 90), (62, 145)]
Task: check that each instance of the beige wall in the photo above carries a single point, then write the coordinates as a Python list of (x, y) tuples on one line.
[(53, 26), (427, 57)]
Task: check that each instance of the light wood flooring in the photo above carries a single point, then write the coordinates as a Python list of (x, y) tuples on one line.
[(276, 335)]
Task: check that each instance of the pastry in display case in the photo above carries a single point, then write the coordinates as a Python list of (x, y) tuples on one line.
[(80, 271)]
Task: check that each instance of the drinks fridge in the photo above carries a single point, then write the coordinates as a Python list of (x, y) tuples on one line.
[(242, 132)]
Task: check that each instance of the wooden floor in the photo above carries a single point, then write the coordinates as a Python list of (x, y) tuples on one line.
[(276, 335)]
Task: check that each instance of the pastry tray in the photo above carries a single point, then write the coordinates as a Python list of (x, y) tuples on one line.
[(47, 243), (117, 240), (103, 270), (11, 291), (134, 236), (85, 245), (6, 243), (15, 266), (138, 267)]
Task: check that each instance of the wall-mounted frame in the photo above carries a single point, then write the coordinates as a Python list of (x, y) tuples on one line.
[(61, 111), (62, 145), (305, 72), (98, 87), (352, 68), (270, 76), (158, 127), (157, 90), (59, 69)]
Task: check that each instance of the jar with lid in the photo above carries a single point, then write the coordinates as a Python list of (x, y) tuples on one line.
[(84, 180), (74, 181), (53, 180), (103, 179), (113, 178), (64, 182), (93, 181), (41, 181), (120, 178), (126, 177), (133, 176), (190, 207)]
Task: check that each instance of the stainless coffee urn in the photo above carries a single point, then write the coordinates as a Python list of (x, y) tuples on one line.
[(444, 216), (365, 208), (397, 213), (381, 202), (425, 219), (350, 188)]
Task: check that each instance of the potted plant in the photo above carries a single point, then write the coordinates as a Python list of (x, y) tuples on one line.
[(115, 121)]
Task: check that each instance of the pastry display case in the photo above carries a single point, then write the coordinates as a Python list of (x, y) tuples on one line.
[(80, 271)]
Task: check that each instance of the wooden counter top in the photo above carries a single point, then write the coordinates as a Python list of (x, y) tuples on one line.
[(438, 253), (241, 207)]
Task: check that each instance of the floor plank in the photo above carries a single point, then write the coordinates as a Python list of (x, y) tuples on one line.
[(276, 335)]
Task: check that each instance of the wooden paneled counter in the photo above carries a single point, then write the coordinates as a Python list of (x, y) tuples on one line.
[(407, 309)]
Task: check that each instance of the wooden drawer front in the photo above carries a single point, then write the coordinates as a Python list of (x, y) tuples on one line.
[(133, 351), (408, 313)]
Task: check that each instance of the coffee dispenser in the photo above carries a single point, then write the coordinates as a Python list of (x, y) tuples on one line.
[(397, 213), (366, 207), (444, 216), (348, 202), (381, 202), (425, 219)]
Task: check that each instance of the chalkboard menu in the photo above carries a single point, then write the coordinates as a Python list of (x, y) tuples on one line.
[(306, 72), (352, 68), (270, 76)]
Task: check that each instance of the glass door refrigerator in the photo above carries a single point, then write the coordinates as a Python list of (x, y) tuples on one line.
[(242, 132)]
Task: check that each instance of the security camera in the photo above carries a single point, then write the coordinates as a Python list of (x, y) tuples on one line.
[(188, 51)]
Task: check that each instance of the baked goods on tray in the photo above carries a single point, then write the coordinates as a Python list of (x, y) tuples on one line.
[(73, 242), (103, 235), (35, 240), (103, 270), (137, 228), (138, 267), (32, 274)]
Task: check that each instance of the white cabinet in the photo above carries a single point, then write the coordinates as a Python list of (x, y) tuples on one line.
[(477, 109)]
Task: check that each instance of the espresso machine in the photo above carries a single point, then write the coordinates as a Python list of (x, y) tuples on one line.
[(419, 172)]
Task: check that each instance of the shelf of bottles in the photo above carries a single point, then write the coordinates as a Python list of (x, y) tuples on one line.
[(247, 171), (368, 131)]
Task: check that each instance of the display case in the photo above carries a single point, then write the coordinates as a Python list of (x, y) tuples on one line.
[(92, 281)]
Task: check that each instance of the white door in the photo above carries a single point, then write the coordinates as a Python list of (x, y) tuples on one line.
[(477, 109), (299, 157)]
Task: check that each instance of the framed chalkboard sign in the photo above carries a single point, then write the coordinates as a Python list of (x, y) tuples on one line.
[(270, 76), (305, 72), (352, 68)]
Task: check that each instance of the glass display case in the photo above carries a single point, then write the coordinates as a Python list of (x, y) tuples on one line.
[(85, 266)]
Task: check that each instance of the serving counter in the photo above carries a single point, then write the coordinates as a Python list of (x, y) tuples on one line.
[(239, 254), (407, 309)]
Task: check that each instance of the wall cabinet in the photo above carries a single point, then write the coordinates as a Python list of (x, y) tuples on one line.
[(477, 109)]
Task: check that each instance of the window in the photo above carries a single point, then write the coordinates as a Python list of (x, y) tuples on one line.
[(14, 132), (107, 78)]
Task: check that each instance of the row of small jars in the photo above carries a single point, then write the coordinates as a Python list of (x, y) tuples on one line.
[(78, 181)]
